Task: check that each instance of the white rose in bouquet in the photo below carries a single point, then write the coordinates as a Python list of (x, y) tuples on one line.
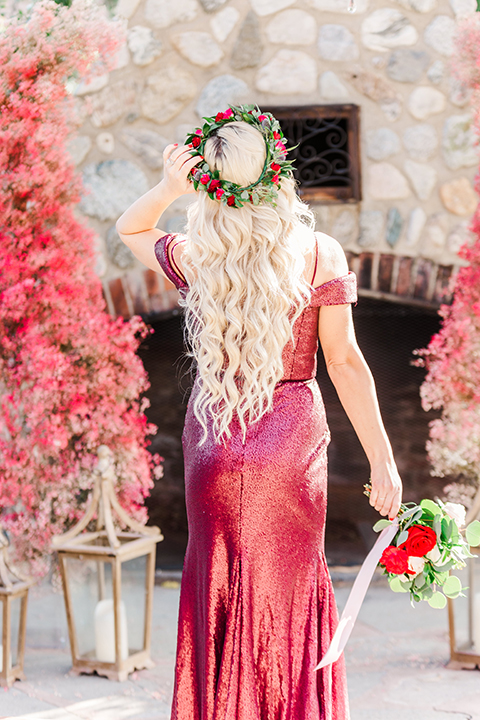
[(434, 555), (416, 565), (457, 512)]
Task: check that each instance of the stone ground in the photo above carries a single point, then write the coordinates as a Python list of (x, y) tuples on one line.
[(396, 663)]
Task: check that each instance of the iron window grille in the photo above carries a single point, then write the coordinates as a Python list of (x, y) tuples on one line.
[(327, 156)]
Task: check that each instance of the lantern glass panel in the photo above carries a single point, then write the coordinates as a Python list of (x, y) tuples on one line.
[(467, 609), (134, 591), (91, 592)]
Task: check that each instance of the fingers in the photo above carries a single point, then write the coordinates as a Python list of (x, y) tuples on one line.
[(190, 164), (385, 504), (167, 153), (178, 156), (386, 500), (395, 506), (380, 500)]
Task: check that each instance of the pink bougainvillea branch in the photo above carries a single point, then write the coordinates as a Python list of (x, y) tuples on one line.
[(70, 378), (452, 358)]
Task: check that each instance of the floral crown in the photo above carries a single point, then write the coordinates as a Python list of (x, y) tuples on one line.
[(263, 190)]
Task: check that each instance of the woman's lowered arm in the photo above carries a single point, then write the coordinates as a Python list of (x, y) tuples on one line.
[(355, 387)]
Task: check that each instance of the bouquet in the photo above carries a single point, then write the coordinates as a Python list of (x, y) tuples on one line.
[(426, 547)]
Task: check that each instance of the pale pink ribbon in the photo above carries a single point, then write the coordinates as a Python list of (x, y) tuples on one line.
[(357, 594)]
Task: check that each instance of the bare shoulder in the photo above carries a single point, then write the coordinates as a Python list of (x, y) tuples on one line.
[(332, 262)]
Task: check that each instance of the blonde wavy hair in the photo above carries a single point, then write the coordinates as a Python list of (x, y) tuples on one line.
[(246, 287)]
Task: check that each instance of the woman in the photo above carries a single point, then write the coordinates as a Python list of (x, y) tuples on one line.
[(259, 288)]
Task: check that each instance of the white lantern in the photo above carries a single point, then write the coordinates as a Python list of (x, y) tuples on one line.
[(108, 581)]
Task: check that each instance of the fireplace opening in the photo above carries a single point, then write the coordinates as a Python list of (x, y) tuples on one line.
[(387, 334)]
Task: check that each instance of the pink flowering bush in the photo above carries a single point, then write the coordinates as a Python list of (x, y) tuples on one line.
[(70, 379), (452, 358)]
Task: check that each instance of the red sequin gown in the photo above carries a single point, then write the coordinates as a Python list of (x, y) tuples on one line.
[(257, 609)]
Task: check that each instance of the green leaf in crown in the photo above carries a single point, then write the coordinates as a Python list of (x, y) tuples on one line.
[(263, 190)]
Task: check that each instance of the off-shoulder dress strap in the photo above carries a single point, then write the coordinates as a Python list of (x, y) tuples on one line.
[(339, 291), (164, 253)]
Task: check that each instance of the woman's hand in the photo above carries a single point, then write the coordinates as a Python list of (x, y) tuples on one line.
[(386, 495), (178, 162)]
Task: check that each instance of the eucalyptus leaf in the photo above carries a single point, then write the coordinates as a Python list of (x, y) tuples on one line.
[(451, 525), (472, 533), (455, 534), (445, 529), (437, 526), (452, 586), (446, 566), (408, 523), (402, 537), (381, 524), (427, 593), (429, 506), (410, 512), (420, 584), (397, 586), (437, 601)]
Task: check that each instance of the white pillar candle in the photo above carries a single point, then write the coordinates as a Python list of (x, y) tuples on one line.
[(105, 631), (476, 622)]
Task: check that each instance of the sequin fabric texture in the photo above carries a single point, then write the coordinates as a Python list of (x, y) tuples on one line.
[(257, 610)]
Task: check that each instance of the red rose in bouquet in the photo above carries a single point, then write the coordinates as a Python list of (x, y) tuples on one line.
[(421, 540), (395, 560)]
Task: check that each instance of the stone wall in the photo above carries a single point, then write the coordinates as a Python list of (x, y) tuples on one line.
[(187, 58)]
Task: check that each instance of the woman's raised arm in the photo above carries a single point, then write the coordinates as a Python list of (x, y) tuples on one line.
[(137, 226)]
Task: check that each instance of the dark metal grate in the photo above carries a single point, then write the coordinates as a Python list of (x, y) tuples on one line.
[(327, 160)]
